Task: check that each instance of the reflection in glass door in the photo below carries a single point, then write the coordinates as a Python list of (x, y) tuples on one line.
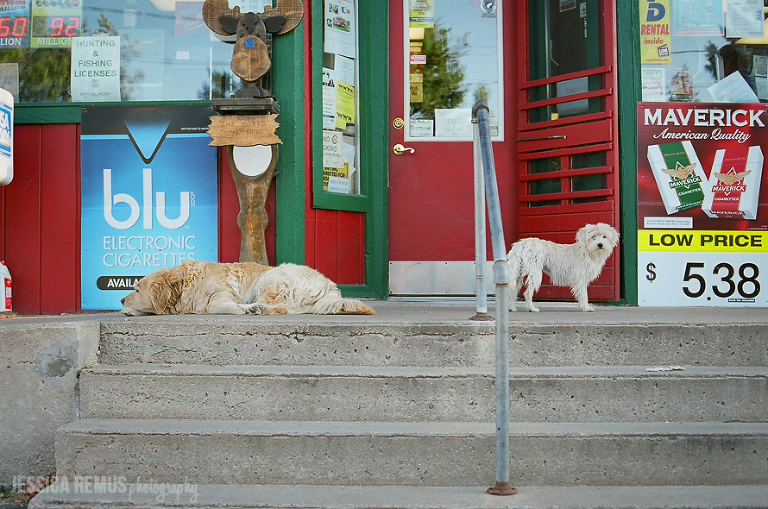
[(454, 60)]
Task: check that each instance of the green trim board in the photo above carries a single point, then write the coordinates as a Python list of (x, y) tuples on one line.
[(627, 21), (290, 196), (373, 77), (69, 113)]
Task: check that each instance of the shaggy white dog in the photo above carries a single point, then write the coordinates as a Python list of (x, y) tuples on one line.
[(239, 288), (575, 265)]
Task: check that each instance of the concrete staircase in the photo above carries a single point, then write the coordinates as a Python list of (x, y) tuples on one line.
[(358, 413)]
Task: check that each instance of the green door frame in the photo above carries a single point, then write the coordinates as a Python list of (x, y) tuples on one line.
[(630, 92), (373, 97), (288, 86)]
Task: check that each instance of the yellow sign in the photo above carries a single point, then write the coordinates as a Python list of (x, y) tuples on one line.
[(342, 173), (345, 105), (703, 241), (655, 38)]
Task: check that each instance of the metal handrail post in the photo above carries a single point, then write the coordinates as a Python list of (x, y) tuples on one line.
[(501, 280), (481, 295)]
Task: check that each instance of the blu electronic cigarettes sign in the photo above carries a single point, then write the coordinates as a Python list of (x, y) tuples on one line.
[(149, 196)]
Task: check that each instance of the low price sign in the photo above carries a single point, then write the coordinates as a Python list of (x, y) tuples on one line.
[(702, 204)]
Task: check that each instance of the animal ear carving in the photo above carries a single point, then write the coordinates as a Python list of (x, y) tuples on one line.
[(213, 10), (287, 15), (228, 24), (275, 23)]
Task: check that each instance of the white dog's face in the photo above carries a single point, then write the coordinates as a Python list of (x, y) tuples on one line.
[(598, 238)]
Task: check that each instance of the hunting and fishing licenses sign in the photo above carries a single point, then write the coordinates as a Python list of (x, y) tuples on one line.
[(702, 204)]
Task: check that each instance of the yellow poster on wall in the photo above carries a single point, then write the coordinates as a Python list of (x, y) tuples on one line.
[(655, 39)]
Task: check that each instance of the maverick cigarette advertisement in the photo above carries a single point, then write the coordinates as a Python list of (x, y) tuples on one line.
[(702, 204)]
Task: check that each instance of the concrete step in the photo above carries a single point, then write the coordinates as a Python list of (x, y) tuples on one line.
[(415, 453), (344, 393), (363, 341), (78, 495)]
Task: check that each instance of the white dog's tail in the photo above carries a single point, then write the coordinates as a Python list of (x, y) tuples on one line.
[(515, 267), (334, 304)]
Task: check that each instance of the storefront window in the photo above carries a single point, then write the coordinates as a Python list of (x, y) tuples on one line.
[(341, 173), (454, 61), (704, 50), (133, 50)]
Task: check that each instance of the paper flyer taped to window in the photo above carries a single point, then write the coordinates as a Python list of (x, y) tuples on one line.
[(744, 19), (95, 69), (329, 99), (454, 123), (345, 105), (733, 89), (340, 28), (333, 150)]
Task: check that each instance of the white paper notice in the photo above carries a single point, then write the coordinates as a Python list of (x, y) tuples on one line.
[(744, 18), (95, 70), (421, 128), (333, 150), (345, 69), (329, 99), (573, 87), (653, 84), (733, 89), (339, 185), (340, 27), (456, 123)]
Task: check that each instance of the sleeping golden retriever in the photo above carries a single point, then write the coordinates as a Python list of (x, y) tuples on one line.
[(238, 288)]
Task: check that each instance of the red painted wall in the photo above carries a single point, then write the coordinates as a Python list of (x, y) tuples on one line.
[(40, 219), (40, 239), (336, 245)]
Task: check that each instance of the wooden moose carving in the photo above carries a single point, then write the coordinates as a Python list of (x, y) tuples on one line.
[(250, 58), (248, 119)]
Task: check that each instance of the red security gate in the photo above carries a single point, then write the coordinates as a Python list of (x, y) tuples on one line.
[(568, 134)]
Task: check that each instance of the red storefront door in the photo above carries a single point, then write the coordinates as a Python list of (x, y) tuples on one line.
[(443, 57), (568, 130)]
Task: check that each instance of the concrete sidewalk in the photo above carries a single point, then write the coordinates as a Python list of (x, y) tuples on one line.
[(452, 310)]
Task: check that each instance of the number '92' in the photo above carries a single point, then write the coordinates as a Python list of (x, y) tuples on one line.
[(746, 284)]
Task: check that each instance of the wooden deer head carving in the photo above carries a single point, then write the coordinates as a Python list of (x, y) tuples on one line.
[(250, 58)]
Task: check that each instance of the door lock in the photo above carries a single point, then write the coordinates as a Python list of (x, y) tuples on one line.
[(399, 149)]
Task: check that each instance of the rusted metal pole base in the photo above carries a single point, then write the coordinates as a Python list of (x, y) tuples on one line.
[(502, 489), (482, 317)]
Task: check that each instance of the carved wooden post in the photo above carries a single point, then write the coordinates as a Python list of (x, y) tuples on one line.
[(252, 219), (253, 173)]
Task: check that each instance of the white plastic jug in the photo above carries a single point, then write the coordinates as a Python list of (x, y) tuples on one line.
[(5, 288)]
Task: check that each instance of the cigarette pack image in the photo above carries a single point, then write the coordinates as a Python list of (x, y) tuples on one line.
[(733, 190), (679, 175)]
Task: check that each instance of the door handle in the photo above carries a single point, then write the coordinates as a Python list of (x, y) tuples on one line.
[(399, 149)]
